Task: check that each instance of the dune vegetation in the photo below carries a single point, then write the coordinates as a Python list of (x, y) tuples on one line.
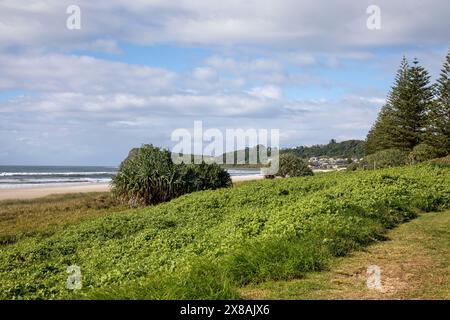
[(414, 264), (208, 244), (149, 176), (44, 216)]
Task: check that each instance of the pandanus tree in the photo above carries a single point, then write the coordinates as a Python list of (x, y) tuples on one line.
[(149, 176)]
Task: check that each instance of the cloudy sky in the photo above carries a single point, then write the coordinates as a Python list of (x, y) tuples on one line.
[(137, 70)]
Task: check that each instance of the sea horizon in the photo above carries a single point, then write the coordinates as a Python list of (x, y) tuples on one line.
[(29, 176)]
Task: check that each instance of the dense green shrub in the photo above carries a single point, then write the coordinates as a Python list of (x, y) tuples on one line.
[(149, 176), (421, 153), (293, 166), (353, 166), (206, 244), (384, 159), (196, 177)]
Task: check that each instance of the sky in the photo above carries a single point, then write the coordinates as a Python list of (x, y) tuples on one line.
[(135, 71)]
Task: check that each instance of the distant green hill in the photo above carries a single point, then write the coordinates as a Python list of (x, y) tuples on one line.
[(344, 149), (243, 157)]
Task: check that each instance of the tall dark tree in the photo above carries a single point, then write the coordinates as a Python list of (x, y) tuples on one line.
[(439, 117), (382, 135), (415, 102), (402, 122), (379, 137)]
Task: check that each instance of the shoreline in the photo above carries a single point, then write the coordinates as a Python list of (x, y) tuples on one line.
[(38, 192)]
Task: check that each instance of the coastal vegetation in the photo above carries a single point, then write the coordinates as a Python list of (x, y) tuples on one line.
[(293, 166), (417, 113), (149, 176), (414, 124), (208, 244), (344, 149), (192, 235), (42, 217), (382, 159), (414, 263)]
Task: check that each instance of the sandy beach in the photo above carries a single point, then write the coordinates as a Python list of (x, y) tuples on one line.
[(246, 178), (31, 193)]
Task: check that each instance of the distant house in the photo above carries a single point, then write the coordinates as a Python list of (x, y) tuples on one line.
[(327, 163)]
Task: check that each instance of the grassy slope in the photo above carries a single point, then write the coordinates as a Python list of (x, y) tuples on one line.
[(415, 264), (206, 244), (45, 216)]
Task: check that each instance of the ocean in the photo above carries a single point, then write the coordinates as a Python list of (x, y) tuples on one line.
[(37, 176)]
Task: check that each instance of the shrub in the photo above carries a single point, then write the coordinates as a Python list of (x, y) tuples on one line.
[(353, 166), (384, 159), (196, 177), (421, 153), (293, 166), (148, 176)]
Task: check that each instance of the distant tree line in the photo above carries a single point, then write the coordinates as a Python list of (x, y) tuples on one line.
[(344, 149), (416, 116)]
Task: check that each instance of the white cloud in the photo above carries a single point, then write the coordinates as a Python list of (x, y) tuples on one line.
[(269, 91), (205, 74), (263, 54), (57, 72), (229, 64), (304, 24)]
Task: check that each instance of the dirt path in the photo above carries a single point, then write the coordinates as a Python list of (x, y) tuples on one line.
[(414, 264)]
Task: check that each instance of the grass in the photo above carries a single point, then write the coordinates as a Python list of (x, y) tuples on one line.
[(414, 262), (43, 217), (207, 245)]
